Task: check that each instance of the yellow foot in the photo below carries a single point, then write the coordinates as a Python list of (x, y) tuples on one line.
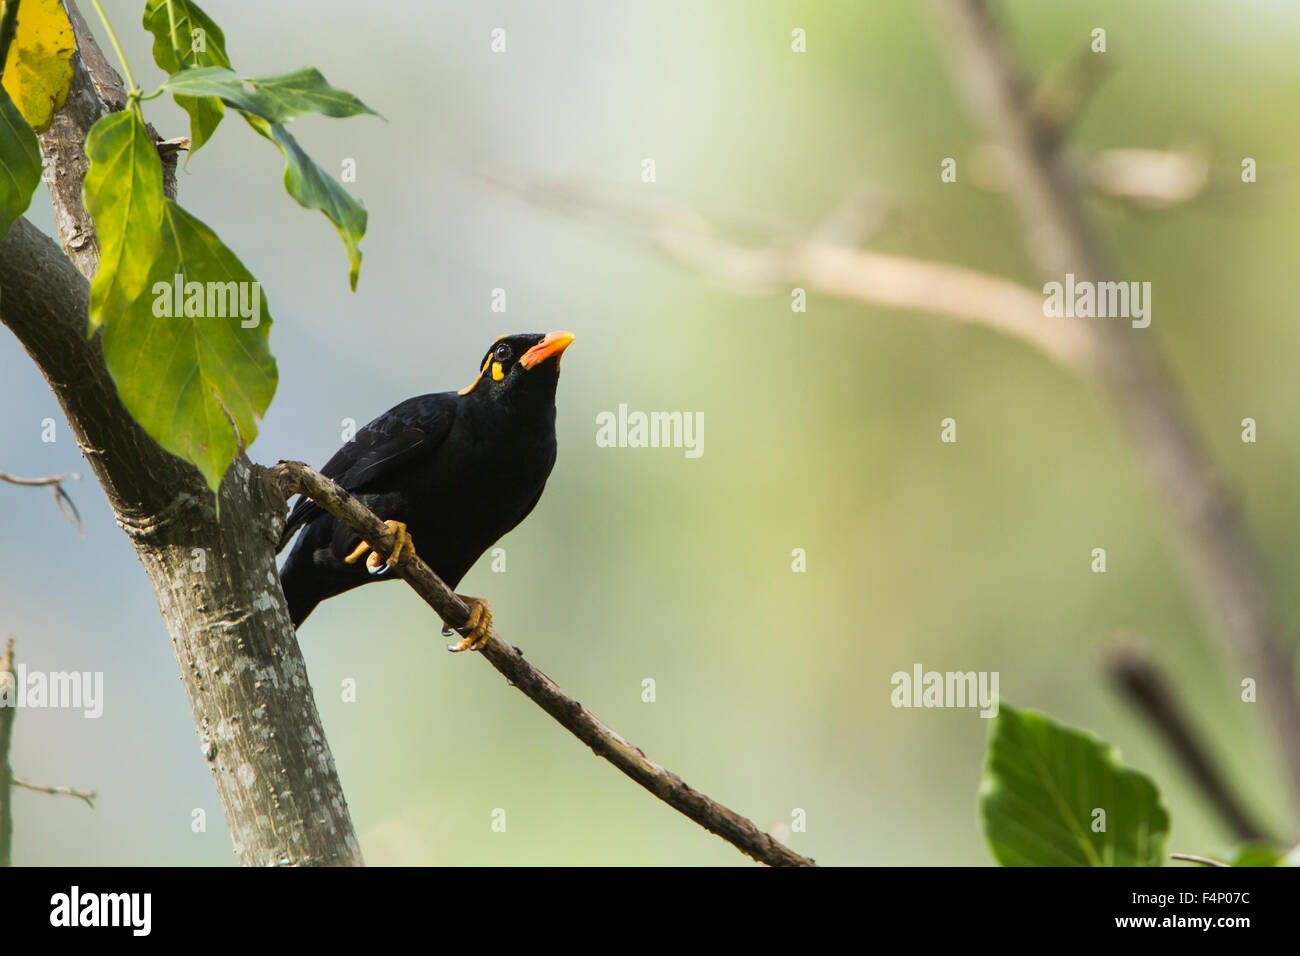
[(477, 628), (403, 548)]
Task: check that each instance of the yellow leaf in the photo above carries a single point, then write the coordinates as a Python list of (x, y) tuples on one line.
[(39, 69)]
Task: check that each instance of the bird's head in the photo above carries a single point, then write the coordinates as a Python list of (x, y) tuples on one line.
[(524, 366)]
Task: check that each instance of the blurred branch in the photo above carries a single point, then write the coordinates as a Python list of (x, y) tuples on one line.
[(1223, 560), (830, 268), (60, 496), (1202, 860), (1150, 178), (1142, 683), (294, 477), (1145, 178)]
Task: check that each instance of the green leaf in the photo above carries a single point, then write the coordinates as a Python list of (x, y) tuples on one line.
[(277, 99), (38, 71), (314, 188), (123, 191), (192, 379), (177, 46), (1260, 854), (269, 102), (20, 164), (1044, 782)]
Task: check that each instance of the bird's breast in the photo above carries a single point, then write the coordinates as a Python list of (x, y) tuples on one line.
[(494, 479)]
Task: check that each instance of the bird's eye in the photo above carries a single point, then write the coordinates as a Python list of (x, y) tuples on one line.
[(502, 353)]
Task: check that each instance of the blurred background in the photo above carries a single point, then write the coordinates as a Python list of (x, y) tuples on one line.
[(822, 431)]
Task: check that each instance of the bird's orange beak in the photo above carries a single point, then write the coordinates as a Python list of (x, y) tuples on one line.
[(553, 344)]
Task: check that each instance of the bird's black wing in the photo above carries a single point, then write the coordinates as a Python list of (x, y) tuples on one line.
[(415, 427)]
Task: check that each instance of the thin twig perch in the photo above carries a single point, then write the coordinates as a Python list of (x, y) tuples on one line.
[(294, 477), (88, 796)]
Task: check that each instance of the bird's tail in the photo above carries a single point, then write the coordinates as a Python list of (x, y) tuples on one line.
[(299, 609)]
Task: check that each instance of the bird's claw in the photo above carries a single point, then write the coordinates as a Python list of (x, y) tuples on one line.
[(403, 547), (477, 627)]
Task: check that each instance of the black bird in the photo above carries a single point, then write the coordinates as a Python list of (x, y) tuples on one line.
[(453, 470)]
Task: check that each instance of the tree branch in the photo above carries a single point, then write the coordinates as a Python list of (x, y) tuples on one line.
[(213, 571), (1222, 558), (60, 496), (85, 795), (1143, 684), (294, 477), (95, 92)]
